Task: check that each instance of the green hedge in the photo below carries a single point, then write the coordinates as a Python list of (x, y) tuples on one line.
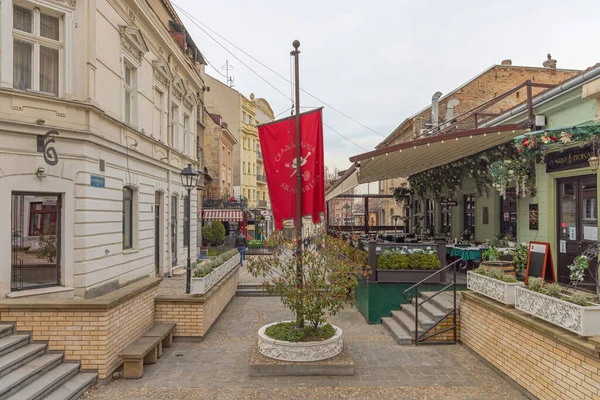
[(408, 261), (255, 244), (207, 268)]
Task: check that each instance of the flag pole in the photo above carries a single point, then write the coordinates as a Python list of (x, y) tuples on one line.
[(299, 272)]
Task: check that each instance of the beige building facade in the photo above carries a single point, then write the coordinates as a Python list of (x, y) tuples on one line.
[(100, 110), (219, 145)]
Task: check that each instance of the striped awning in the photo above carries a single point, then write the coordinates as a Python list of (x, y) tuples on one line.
[(223, 215)]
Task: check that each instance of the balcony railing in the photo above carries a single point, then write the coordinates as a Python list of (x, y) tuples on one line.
[(259, 154), (262, 203), (224, 202), (261, 178)]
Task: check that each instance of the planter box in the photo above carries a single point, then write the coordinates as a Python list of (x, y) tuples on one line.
[(203, 285), (504, 292), (583, 320), (409, 276), (300, 351)]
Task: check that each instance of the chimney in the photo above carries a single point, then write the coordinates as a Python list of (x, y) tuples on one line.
[(508, 61), (435, 100), (549, 63)]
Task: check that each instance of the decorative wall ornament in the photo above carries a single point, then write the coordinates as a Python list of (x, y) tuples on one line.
[(300, 351), (43, 146), (583, 320), (133, 42), (178, 88), (161, 72), (72, 3), (534, 143), (504, 292)]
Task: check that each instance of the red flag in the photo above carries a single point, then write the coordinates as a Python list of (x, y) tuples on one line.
[(278, 144)]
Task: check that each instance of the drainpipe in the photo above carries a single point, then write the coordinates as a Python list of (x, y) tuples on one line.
[(169, 188), (435, 105)]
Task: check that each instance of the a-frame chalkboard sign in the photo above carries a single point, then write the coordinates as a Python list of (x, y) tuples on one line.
[(539, 262)]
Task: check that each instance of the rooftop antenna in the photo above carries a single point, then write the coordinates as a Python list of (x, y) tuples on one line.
[(228, 67)]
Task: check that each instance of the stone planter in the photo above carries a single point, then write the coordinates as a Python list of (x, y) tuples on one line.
[(203, 285), (299, 352), (583, 320), (409, 276), (504, 292)]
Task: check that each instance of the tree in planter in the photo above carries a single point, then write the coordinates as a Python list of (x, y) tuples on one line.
[(325, 288), (214, 233), (47, 244)]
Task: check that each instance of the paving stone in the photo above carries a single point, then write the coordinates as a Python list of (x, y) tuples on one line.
[(217, 368)]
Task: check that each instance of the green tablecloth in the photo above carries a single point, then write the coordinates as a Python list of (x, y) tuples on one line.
[(466, 253)]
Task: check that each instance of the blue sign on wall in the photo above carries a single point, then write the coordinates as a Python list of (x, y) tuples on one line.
[(97, 181)]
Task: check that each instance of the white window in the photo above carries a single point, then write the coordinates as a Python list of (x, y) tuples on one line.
[(160, 116), (187, 135), (129, 93), (38, 41), (175, 126)]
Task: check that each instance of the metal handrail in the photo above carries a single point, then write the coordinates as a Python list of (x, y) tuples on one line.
[(408, 296)]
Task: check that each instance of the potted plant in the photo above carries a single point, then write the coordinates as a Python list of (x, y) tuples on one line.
[(318, 288), (467, 234), (409, 265), (208, 273), (519, 256), (510, 240), (567, 308), (494, 284), (500, 240)]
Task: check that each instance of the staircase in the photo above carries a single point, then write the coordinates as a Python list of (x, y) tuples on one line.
[(250, 290), (401, 324), (29, 371)]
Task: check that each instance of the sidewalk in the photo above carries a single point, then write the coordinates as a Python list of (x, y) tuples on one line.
[(217, 368)]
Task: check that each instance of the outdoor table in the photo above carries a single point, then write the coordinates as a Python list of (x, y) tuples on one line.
[(466, 253)]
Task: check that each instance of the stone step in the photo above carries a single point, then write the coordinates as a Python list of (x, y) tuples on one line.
[(22, 376), (47, 382), (6, 329), (13, 342), (430, 309), (20, 356), (74, 388), (398, 332), (443, 301), (425, 320), (406, 321)]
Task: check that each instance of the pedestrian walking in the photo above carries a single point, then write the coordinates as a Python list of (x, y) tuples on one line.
[(240, 243)]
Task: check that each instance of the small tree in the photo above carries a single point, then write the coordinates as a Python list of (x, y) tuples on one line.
[(327, 285), (214, 233)]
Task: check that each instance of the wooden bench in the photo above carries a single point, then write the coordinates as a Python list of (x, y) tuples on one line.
[(164, 331), (142, 351)]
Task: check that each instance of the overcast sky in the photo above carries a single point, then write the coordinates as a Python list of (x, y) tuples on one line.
[(380, 61)]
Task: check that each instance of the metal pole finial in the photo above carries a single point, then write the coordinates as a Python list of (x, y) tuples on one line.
[(296, 44)]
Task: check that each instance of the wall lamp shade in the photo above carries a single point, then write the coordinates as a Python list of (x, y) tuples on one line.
[(189, 177), (594, 163)]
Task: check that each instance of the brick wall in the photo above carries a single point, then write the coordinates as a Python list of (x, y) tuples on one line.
[(447, 335), (547, 361), (92, 332), (194, 315)]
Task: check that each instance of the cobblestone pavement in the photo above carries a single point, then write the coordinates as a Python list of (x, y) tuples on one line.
[(217, 368)]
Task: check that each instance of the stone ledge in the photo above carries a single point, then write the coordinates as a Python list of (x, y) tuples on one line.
[(198, 298), (340, 365), (108, 301), (49, 293), (583, 345)]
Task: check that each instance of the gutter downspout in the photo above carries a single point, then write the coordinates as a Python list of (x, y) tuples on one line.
[(169, 187), (545, 97)]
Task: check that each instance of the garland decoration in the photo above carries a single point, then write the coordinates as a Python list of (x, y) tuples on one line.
[(402, 194), (534, 143)]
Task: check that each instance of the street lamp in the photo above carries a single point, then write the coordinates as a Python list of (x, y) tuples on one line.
[(189, 179), (346, 207)]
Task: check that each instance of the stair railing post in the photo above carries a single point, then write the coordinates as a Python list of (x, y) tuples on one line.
[(416, 316), (454, 311)]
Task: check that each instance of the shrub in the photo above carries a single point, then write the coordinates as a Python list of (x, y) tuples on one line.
[(214, 233), (255, 244), (579, 298), (416, 260), (552, 289), (535, 284), (287, 331), (361, 258), (216, 262)]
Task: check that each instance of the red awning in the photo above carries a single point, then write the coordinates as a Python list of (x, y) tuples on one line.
[(223, 215)]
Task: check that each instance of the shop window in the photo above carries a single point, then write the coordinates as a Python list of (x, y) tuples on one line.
[(186, 221), (446, 217), (508, 212), (430, 215), (469, 213)]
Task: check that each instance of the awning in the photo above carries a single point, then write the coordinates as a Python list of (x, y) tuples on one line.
[(346, 183), (405, 159), (223, 215)]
